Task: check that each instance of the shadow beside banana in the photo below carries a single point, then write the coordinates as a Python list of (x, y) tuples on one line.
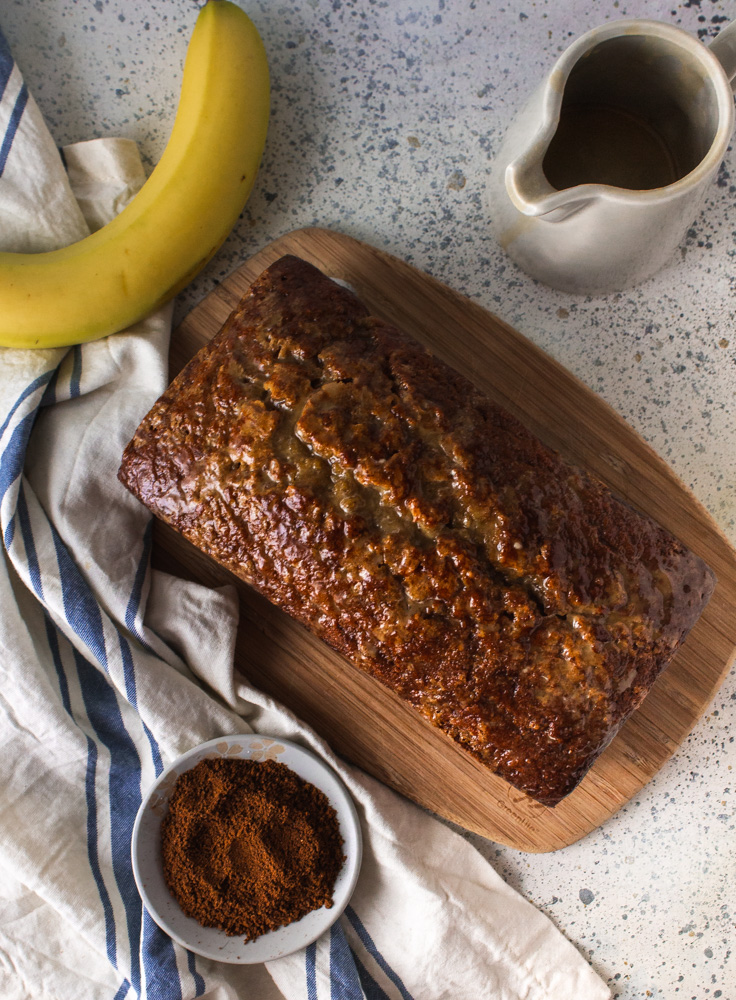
[(178, 219)]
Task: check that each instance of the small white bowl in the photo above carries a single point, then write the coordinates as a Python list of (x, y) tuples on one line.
[(208, 941)]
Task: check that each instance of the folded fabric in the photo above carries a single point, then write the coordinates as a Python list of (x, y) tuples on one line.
[(109, 670)]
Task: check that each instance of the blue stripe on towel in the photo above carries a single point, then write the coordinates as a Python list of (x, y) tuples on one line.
[(131, 614), (123, 990), (199, 983), (370, 947), (75, 380), (129, 671), (52, 637), (344, 978), (311, 970), (53, 640), (134, 603), (80, 607), (13, 457), (370, 987), (124, 791), (159, 963), (15, 116), (14, 452), (49, 397), (9, 533), (28, 391), (34, 570), (92, 854), (6, 64)]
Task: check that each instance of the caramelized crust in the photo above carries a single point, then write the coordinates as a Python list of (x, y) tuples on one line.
[(379, 498)]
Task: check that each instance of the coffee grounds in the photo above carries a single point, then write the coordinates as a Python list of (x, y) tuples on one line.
[(249, 846)]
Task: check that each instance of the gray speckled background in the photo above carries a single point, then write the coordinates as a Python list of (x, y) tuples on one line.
[(385, 116)]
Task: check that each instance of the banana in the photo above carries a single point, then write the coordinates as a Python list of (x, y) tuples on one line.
[(178, 219)]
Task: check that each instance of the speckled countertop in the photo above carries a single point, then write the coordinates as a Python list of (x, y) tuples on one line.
[(386, 114)]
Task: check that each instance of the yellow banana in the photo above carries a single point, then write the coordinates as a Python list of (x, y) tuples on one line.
[(178, 219)]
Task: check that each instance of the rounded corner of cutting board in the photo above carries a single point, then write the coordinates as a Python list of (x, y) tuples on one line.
[(507, 364)]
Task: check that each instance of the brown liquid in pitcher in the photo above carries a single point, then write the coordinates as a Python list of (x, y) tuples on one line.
[(595, 144)]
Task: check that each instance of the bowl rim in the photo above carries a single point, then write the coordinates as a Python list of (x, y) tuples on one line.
[(339, 797)]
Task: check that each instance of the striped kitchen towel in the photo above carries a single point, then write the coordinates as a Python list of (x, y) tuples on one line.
[(108, 670)]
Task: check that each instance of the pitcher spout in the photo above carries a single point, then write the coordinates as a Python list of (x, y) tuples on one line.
[(532, 194)]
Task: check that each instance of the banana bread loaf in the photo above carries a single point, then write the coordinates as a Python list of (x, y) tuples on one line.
[(379, 498)]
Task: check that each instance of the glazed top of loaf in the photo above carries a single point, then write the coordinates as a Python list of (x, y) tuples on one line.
[(380, 498)]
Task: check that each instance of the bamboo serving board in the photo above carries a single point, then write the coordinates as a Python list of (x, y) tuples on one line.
[(366, 723)]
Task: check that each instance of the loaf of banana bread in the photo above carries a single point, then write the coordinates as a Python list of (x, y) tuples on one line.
[(379, 498)]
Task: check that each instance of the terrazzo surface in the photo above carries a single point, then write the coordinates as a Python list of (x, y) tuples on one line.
[(385, 118)]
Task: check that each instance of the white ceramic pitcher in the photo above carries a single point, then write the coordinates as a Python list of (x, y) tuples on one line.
[(600, 176)]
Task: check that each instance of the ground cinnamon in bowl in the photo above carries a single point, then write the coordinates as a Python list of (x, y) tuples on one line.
[(249, 846)]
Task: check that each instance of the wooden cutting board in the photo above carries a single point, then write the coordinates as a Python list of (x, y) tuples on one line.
[(359, 718)]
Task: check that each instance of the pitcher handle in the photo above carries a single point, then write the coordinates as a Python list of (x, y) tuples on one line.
[(723, 48)]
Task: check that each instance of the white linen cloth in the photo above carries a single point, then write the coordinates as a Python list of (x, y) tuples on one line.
[(109, 670)]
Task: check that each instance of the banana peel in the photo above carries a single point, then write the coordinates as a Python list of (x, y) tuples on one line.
[(179, 218)]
